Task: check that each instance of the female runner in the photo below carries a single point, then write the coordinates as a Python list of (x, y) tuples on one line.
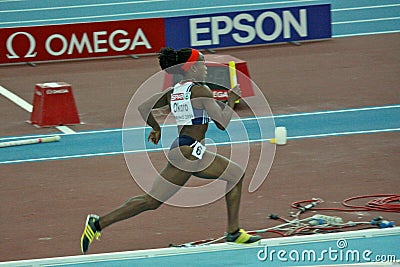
[(193, 105)]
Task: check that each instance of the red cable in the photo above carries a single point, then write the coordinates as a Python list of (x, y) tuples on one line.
[(267, 231), (381, 202)]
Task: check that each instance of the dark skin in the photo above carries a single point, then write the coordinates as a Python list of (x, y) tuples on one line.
[(176, 172)]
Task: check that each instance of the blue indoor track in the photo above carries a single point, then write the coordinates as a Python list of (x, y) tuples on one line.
[(302, 125), (355, 17)]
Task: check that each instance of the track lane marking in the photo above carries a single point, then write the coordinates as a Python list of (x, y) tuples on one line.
[(233, 120), (79, 6), (113, 153)]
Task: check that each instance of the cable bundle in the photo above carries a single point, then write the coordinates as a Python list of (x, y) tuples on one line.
[(379, 203), (319, 223)]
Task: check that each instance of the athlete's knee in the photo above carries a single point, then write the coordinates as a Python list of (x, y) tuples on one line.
[(240, 177), (152, 203), (234, 179), (237, 172)]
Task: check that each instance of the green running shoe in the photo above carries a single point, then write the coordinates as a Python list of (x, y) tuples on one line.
[(90, 232)]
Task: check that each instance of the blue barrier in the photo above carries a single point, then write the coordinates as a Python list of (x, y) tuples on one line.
[(249, 27)]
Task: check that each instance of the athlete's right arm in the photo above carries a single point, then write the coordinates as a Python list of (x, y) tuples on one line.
[(156, 101)]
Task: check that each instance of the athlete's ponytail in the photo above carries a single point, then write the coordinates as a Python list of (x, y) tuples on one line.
[(169, 57)]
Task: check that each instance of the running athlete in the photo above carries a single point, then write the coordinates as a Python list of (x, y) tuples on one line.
[(193, 105)]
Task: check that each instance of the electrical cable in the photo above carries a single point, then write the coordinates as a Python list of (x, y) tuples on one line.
[(380, 202), (322, 223)]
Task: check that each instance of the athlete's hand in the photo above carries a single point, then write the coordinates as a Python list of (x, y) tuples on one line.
[(154, 136), (235, 93)]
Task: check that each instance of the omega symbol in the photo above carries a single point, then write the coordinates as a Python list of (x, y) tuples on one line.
[(32, 45)]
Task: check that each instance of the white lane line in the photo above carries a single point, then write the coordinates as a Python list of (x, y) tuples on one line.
[(364, 20), (365, 33), (28, 107), (233, 120), (216, 144), (141, 2), (324, 112), (65, 129), (146, 2), (364, 7), (344, 133), (337, 111), (16, 99), (80, 6), (149, 12)]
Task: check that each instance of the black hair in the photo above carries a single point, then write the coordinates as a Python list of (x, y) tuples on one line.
[(169, 57)]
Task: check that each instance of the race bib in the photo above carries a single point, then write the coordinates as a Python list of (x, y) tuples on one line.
[(181, 107), (198, 150)]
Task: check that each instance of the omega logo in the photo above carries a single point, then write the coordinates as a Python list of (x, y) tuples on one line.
[(32, 45)]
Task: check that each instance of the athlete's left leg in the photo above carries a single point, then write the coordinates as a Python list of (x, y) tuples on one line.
[(227, 170)]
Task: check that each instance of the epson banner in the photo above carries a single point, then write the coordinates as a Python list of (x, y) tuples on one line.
[(250, 27)]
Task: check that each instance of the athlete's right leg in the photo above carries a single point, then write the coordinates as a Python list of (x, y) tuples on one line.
[(165, 186)]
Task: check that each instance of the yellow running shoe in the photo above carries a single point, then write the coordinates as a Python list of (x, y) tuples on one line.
[(90, 232), (242, 237)]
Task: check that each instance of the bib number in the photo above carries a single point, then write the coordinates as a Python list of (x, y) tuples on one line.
[(198, 150)]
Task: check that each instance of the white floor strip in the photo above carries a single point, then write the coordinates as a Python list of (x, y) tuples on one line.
[(80, 6), (365, 33), (364, 20), (153, 12), (298, 243), (28, 107), (16, 99), (364, 7)]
